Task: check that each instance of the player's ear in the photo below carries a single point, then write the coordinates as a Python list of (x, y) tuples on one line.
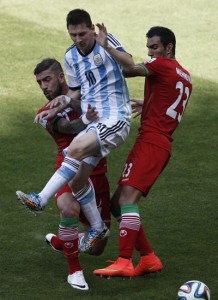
[(61, 77), (169, 48)]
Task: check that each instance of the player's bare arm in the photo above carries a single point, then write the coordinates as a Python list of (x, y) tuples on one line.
[(60, 103), (75, 103), (46, 115), (122, 58), (136, 70), (69, 127), (72, 99), (90, 116), (130, 69), (75, 126)]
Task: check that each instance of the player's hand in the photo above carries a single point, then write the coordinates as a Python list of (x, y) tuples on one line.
[(137, 107), (60, 101), (46, 115), (101, 37), (91, 114), (39, 117)]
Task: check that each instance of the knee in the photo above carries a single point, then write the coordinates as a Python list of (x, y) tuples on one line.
[(69, 211), (129, 195), (68, 206)]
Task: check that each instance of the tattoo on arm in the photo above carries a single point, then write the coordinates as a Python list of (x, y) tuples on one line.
[(76, 105), (61, 125)]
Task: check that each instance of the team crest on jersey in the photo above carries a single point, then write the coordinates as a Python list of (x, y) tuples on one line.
[(98, 60)]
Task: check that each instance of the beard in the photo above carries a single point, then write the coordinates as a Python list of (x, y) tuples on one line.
[(57, 92)]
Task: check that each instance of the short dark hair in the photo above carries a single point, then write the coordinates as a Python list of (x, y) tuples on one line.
[(79, 16), (48, 63), (166, 35)]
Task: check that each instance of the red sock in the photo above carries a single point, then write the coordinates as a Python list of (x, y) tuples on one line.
[(142, 244), (69, 238), (56, 243), (128, 230), (71, 254)]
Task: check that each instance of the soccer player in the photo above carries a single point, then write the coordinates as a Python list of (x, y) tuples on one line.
[(97, 78), (50, 77), (168, 87)]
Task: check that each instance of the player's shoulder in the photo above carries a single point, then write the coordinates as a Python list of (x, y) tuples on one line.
[(70, 48), (113, 40), (162, 62), (155, 64), (151, 60)]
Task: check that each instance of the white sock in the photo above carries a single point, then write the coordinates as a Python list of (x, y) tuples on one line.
[(56, 182), (62, 176), (86, 198)]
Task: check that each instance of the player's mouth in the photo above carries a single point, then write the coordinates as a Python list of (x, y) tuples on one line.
[(82, 47), (47, 94)]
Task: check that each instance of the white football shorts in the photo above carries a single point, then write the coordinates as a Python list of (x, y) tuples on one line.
[(110, 135)]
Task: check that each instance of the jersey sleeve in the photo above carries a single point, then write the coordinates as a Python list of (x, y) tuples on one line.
[(113, 42), (72, 79), (154, 66)]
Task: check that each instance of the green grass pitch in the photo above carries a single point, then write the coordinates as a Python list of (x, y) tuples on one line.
[(180, 213)]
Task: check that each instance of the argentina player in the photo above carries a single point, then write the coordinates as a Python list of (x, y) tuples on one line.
[(97, 79)]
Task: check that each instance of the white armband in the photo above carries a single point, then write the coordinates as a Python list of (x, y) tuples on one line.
[(85, 120)]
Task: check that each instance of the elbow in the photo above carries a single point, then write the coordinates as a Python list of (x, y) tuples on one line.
[(128, 73), (125, 73)]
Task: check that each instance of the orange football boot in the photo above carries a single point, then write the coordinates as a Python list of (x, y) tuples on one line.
[(148, 264), (122, 267)]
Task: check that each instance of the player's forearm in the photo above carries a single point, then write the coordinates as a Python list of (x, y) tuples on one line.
[(76, 105), (70, 127), (75, 126), (136, 70), (75, 102)]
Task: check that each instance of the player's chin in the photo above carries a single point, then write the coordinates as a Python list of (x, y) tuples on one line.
[(49, 96)]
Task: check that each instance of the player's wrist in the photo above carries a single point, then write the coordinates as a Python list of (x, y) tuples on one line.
[(85, 120), (108, 48)]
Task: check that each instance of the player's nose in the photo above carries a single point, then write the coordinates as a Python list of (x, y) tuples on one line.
[(150, 52)]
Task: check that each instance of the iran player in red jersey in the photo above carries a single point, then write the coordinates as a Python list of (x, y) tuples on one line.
[(63, 128), (168, 87)]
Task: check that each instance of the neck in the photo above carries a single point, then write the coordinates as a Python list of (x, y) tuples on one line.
[(65, 89)]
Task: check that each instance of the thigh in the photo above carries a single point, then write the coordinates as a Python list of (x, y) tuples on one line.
[(84, 145), (143, 166)]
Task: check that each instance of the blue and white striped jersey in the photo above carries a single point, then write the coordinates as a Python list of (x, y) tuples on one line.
[(101, 81)]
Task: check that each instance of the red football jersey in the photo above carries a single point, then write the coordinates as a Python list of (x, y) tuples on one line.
[(167, 91), (63, 140)]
